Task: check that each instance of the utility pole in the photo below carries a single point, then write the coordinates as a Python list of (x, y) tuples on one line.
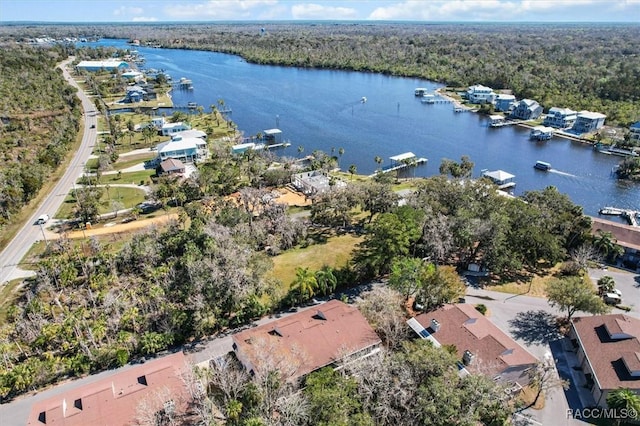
[(44, 236)]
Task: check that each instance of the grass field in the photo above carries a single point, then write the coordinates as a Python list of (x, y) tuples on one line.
[(535, 288), (335, 253), (129, 197)]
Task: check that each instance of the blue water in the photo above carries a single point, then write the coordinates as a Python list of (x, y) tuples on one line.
[(322, 109)]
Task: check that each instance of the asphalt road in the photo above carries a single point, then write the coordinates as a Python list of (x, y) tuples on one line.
[(12, 255)]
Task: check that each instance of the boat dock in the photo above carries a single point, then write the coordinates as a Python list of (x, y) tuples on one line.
[(401, 161), (630, 215), (503, 179)]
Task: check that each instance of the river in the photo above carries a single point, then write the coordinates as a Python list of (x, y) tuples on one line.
[(322, 109)]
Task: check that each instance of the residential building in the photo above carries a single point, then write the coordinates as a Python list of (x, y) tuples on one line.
[(187, 150), (193, 133), (158, 122), (505, 103), (171, 166), (169, 129), (114, 400), (307, 341), (634, 130), (527, 109), (481, 346), (134, 94), (133, 75), (479, 94), (106, 65), (560, 118), (608, 350), (587, 121), (626, 236), (314, 182)]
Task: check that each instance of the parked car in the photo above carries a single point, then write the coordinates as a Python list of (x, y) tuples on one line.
[(612, 298)]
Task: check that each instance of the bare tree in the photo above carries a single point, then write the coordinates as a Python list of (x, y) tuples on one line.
[(382, 307)]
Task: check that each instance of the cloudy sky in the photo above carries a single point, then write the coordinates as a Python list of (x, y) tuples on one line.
[(287, 10)]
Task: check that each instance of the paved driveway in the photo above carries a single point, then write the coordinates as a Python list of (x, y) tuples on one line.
[(629, 285)]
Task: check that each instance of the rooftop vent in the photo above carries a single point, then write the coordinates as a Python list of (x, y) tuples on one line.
[(435, 325), (320, 315)]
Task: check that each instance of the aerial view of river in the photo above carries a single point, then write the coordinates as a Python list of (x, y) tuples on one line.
[(323, 109)]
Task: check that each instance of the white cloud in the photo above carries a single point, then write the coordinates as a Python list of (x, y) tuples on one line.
[(127, 11), (218, 9), (483, 10), (144, 19), (317, 11)]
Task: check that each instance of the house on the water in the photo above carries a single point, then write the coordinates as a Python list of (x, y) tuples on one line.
[(482, 348), (133, 75), (314, 182), (560, 118), (527, 109), (587, 122), (479, 94), (187, 150), (134, 94), (111, 65), (307, 341), (505, 103), (496, 121), (501, 178), (608, 350), (169, 129), (634, 132)]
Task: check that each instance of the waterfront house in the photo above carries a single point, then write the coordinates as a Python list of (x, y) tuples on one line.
[(608, 350), (134, 94), (193, 133), (133, 75), (169, 129), (314, 182), (501, 178), (527, 109), (307, 341), (634, 132), (587, 121), (186, 150), (106, 65), (156, 385), (560, 118), (480, 345), (505, 103), (496, 121), (479, 94)]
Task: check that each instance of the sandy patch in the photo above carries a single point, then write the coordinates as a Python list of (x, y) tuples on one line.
[(120, 227), (292, 198)]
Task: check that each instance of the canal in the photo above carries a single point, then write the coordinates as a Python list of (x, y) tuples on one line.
[(323, 109)]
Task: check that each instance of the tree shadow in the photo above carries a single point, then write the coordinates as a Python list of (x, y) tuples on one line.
[(535, 327)]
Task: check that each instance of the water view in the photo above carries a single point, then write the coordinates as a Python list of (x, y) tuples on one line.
[(323, 109)]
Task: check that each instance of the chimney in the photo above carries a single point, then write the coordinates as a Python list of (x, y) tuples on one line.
[(467, 357), (435, 325)]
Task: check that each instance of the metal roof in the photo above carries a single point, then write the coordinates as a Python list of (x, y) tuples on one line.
[(404, 156)]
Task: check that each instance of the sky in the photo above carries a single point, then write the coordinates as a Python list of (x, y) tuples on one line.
[(336, 10)]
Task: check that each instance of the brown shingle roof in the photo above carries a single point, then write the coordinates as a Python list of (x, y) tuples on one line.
[(464, 327), (604, 354), (114, 400), (626, 235), (314, 337), (171, 165)]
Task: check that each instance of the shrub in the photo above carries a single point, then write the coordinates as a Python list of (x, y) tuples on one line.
[(481, 308)]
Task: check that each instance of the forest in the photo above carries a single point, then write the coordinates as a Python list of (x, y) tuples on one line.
[(40, 117), (579, 66)]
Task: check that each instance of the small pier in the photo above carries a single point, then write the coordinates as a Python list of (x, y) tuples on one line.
[(630, 215), (401, 161)]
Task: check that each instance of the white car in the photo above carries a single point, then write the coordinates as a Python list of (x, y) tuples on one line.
[(42, 219)]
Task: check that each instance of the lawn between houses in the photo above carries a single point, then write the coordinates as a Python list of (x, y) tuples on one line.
[(129, 197)]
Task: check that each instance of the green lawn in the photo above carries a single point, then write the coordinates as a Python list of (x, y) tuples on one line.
[(129, 197), (132, 160), (335, 253)]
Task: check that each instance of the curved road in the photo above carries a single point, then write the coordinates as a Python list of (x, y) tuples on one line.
[(12, 255)]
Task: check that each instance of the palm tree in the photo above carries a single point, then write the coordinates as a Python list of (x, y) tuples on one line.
[(326, 279), (340, 152), (605, 243), (300, 150), (624, 399), (606, 284), (378, 160), (305, 284), (352, 170)]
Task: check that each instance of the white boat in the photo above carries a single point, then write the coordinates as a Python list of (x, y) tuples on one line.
[(542, 165), (428, 98), (420, 91), (364, 99), (611, 211)]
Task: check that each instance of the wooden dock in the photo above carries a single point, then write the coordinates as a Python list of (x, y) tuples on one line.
[(401, 161)]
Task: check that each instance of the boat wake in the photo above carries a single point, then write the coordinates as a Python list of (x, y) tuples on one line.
[(558, 172)]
